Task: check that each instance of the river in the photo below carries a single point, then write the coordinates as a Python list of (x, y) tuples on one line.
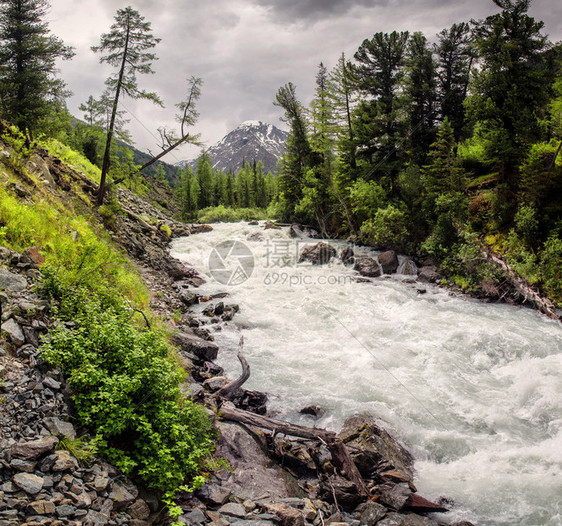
[(473, 390)]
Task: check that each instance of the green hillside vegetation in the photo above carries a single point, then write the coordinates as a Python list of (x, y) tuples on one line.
[(441, 150), (111, 358)]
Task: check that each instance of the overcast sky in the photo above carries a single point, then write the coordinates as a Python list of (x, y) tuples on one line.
[(244, 50)]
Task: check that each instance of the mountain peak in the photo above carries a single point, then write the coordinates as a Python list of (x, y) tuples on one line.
[(251, 141)]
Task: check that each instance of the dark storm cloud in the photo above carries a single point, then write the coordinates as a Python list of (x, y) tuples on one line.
[(246, 49), (314, 10)]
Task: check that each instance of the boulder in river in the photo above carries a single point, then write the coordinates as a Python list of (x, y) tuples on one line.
[(368, 267), (388, 261), (407, 268), (347, 256), (318, 254), (372, 448)]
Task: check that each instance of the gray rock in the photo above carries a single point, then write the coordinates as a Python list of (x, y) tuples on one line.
[(388, 261), (189, 298), (51, 383), (11, 281), (429, 274), (410, 519), (213, 494), (23, 465), (255, 236), (96, 518), (42, 507), (397, 497), (192, 344), (372, 513), (64, 461), (34, 448), (233, 509), (14, 332), (122, 495), (28, 482), (370, 445), (318, 254), (254, 473), (139, 510), (215, 383), (368, 267), (195, 516), (60, 428), (65, 510), (407, 268)]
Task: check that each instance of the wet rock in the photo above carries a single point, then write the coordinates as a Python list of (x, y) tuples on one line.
[(11, 281), (347, 256), (397, 497), (255, 236), (253, 401), (371, 446), (368, 267), (28, 482), (295, 231), (253, 223), (344, 491), (192, 344), (294, 455), (189, 298), (388, 261), (14, 332), (429, 274), (407, 268), (34, 448), (318, 254), (201, 229), (312, 410)]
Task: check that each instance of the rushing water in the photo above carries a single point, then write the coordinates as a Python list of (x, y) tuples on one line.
[(473, 390)]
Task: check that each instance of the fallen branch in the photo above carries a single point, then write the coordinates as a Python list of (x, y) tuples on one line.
[(544, 305), (340, 454), (228, 390)]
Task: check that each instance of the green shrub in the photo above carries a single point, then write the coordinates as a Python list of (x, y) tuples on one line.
[(551, 266), (221, 214), (126, 387), (387, 229)]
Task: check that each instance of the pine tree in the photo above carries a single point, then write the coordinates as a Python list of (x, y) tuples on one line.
[(204, 175), (188, 193), (511, 88), (379, 126), (421, 96), (298, 154), (29, 89), (127, 48), (455, 55)]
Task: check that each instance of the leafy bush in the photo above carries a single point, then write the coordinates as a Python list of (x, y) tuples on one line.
[(366, 198), (551, 266), (126, 387), (387, 229), (221, 214)]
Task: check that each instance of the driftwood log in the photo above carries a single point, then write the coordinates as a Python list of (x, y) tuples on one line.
[(340, 455), (530, 295)]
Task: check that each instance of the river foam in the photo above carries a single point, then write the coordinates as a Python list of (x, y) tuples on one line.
[(472, 389)]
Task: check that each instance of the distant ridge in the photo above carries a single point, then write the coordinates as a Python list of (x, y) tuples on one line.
[(250, 141)]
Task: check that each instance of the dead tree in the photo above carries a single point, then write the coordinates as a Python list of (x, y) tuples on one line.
[(340, 455)]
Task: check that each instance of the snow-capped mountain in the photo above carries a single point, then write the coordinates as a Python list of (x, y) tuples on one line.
[(251, 141)]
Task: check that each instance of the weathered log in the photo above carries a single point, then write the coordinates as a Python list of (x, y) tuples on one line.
[(530, 295), (228, 390), (340, 455)]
